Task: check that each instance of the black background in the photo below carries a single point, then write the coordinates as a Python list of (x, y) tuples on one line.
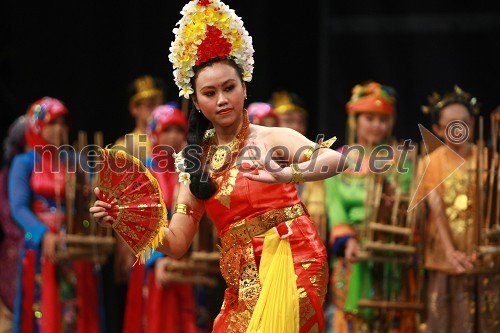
[(86, 54)]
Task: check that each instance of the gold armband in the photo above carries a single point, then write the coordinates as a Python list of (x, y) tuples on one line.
[(183, 209), (297, 177), (186, 210)]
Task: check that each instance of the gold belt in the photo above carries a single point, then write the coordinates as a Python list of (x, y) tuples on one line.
[(241, 232)]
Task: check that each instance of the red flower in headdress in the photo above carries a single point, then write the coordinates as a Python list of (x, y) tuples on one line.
[(204, 3), (214, 45)]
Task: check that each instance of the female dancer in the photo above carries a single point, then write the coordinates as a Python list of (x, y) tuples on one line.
[(271, 255)]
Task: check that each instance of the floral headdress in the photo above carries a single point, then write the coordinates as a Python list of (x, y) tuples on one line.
[(209, 29)]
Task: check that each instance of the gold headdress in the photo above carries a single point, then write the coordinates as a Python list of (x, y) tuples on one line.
[(282, 103), (209, 29), (145, 87), (438, 102)]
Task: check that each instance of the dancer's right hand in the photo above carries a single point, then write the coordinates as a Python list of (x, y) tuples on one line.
[(100, 211), (459, 260), (162, 272), (351, 250), (50, 241)]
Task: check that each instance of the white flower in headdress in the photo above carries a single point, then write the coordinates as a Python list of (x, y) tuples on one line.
[(180, 165), (186, 91), (184, 178)]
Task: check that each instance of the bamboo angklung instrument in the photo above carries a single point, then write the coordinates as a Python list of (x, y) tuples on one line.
[(478, 221), (84, 240)]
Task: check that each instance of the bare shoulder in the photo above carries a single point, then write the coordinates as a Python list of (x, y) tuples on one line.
[(273, 135), (120, 141), (258, 131)]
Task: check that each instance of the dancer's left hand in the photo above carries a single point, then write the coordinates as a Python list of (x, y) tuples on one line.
[(264, 168)]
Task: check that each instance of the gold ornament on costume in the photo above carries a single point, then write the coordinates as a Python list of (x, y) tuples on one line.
[(458, 201), (221, 156), (297, 177)]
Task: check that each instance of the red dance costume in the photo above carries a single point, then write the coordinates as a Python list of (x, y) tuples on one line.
[(61, 297), (239, 198)]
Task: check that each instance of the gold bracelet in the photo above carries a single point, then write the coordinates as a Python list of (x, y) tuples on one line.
[(297, 177), (182, 209), (309, 151)]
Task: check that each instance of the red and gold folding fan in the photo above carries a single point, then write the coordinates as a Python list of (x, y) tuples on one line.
[(136, 201)]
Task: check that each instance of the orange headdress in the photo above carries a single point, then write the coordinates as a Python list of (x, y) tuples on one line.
[(371, 97), (368, 97)]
